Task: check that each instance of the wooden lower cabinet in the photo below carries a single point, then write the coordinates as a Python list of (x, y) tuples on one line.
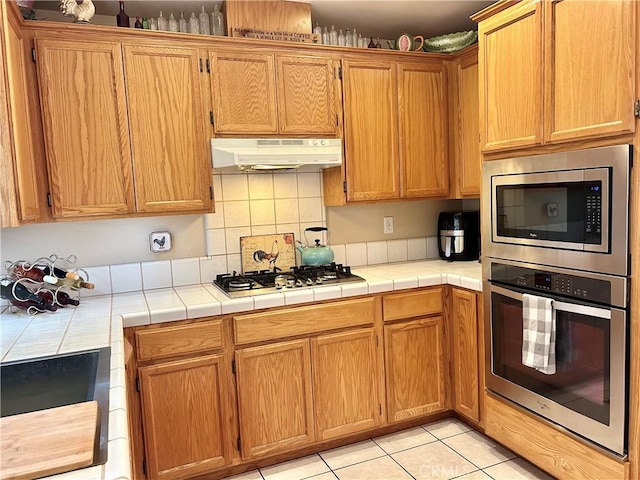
[(346, 383), (415, 368), (466, 371), (184, 417), (275, 403)]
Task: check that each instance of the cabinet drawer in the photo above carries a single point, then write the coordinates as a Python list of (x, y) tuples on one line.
[(178, 340), (258, 327), (412, 304)]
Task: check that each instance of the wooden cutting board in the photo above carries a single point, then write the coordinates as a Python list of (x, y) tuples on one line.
[(46, 442), (264, 252)]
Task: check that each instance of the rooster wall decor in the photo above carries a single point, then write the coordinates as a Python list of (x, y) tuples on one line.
[(271, 257), (82, 11)]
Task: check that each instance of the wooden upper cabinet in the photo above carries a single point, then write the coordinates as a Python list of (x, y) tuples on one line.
[(423, 129), (371, 133), (277, 94), (510, 70), (85, 127), (275, 397), (18, 124), (170, 148), (590, 68), (464, 328), (244, 92), (306, 95), (346, 383), (466, 126), (184, 417), (416, 368)]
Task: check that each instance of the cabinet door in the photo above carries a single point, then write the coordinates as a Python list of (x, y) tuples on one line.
[(85, 127), (415, 368), (24, 171), (244, 92), (423, 128), (510, 70), (464, 328), (275, 402), (589, 68), (468, 155), (306, 95), (371, 130), (170, 149), (346, 384), (183, 413)]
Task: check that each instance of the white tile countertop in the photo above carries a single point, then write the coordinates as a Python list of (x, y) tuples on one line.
[(99, 321)]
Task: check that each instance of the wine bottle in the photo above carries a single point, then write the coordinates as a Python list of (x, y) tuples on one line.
[(25, 270), (17, 292), (60, 297), (122, 19), (138, 23), (75, 284), (37, 305), (59, 272)]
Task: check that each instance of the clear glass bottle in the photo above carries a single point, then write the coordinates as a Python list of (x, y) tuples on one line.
[(203, 18), (354, 37), (317, 28), (342, 41), (163, 24), (182, 24), (325, 36), (153, 24), (217, 21), (348, 38), (173, 23), (194, 24), (333, 36), (362, 41)]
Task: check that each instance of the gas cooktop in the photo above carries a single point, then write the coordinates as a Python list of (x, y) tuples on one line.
[(265, 281)]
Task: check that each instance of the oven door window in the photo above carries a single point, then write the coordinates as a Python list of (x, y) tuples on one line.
[(582, 378), (568, 212)]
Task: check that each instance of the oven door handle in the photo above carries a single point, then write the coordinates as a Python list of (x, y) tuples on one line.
[(559, 305)]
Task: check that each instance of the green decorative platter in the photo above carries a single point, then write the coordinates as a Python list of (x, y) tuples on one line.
[(451, 42)]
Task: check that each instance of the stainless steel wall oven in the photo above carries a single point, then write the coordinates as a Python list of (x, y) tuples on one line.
[(559, 233)]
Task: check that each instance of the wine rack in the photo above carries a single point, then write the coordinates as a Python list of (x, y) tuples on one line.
[(43, 285)]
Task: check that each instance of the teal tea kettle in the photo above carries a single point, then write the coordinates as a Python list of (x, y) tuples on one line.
[(315, 254)]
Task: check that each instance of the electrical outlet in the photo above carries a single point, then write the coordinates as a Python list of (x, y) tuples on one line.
[(388, 224)]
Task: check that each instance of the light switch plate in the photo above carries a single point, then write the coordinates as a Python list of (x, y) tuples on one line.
[(160, 242)]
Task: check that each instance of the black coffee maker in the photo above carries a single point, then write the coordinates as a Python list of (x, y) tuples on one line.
[(459, 235)]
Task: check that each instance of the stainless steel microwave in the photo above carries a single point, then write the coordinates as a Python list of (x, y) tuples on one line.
[(568, 209)]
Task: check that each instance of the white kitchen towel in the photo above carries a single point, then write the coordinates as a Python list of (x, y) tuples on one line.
[(539, 333)]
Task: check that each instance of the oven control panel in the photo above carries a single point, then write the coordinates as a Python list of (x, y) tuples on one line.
[(568, 285)]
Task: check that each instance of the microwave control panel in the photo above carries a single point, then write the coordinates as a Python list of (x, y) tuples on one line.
[(593, 212)]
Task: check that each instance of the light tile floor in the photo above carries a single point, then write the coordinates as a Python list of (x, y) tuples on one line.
[(441, 450)]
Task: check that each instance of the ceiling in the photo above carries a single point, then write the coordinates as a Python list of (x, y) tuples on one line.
[(385, 19)]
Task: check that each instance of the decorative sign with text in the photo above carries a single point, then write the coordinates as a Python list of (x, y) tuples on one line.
[(275, 35)]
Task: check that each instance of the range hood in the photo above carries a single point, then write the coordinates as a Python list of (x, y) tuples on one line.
[(275, 153)]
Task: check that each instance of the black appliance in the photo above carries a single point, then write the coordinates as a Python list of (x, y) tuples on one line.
[(459, 235), (264, 281)]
